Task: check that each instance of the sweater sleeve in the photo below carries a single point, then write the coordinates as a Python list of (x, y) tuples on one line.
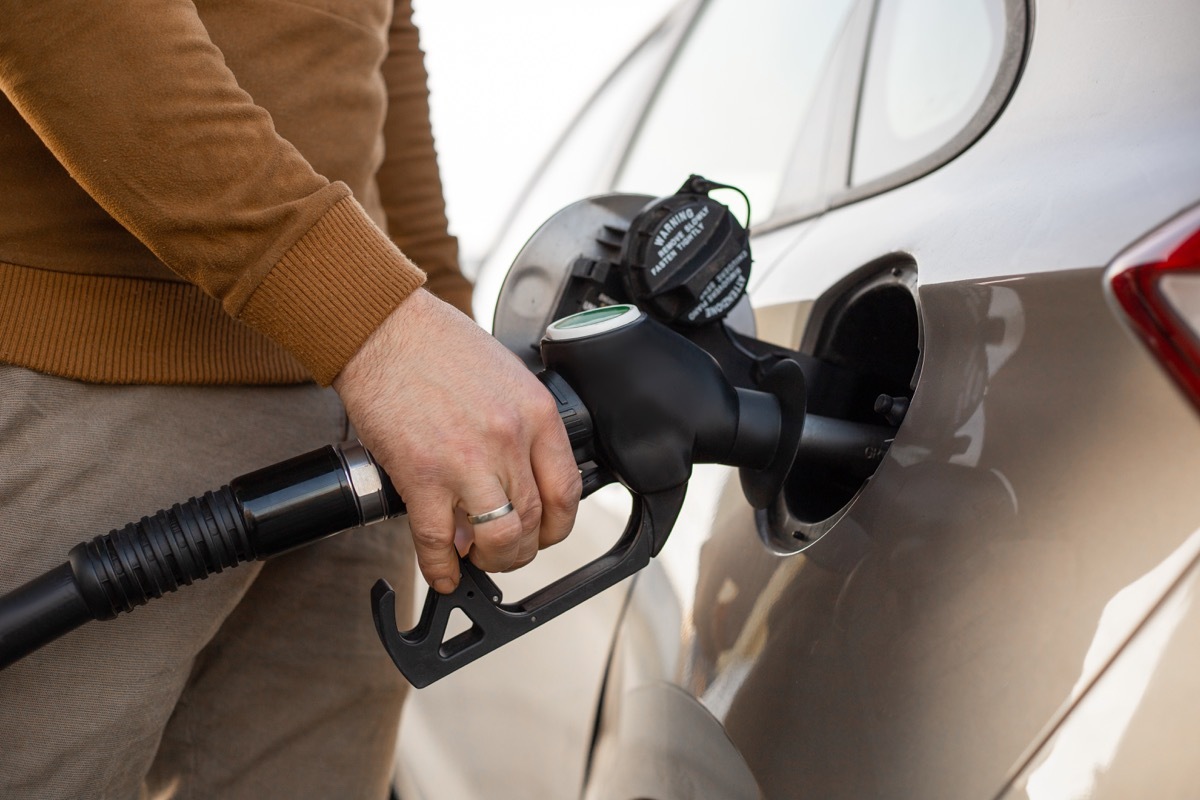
[(138, 105), (409, 183)]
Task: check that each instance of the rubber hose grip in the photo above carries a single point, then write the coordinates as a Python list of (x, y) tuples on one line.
[(130, 566)]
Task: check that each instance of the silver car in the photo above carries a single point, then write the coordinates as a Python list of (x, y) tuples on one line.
[(992, 205)]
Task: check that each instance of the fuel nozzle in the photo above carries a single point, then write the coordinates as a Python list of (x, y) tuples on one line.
[(660, 404), (642, 404)]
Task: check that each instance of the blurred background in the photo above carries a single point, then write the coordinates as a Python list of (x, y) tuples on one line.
[(505, 80)]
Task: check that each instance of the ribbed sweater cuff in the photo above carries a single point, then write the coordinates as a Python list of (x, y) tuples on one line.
[(332, 289)]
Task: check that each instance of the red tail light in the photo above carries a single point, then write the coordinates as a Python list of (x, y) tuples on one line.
[(1156, 282)]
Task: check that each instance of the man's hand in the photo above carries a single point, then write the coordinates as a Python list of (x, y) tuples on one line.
[(458, 422)]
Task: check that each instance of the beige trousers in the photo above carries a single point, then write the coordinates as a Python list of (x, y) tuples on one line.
[(263, 681)]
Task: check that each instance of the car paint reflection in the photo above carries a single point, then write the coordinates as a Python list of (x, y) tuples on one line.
[(919, 648)]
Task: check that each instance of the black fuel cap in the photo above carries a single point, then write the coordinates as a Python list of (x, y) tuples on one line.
[(686, 257)]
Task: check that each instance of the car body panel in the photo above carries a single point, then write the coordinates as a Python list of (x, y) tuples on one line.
[(1134, 716), (669, 747), (922, 646)]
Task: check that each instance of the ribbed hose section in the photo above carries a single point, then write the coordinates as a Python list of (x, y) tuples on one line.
[(128, 567)]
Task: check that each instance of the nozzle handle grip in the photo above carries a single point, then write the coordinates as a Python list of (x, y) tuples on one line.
[(425, 653), (573, 413)]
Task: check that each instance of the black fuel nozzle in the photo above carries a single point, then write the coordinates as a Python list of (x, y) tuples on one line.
[(647, 405), (661, 404)]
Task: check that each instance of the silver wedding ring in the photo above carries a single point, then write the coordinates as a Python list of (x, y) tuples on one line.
[(488, 516)]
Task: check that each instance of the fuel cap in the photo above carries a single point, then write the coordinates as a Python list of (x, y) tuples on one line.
[(686, 257)]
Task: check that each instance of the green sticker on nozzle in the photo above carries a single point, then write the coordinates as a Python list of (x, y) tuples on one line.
[(591, 316), (593, 321)]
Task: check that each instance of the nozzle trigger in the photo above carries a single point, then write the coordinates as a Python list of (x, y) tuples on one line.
[(423, 653)]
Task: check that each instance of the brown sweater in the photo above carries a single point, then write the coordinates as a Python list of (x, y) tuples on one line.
[(196, 192)]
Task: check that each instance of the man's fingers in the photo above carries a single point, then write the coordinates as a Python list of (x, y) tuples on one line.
[(559, 486), (497, 541), (432, 522), (524, 556), (530, 508)]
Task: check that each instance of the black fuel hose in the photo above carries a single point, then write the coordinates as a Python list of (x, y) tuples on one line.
[(255, 516)]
